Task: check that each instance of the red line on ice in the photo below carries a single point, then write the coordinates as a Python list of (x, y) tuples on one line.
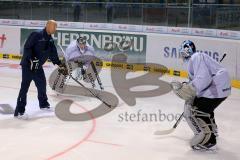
[(85, 139), (91, 131)]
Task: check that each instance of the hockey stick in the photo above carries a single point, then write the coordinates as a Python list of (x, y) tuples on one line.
[(164, 132), (224, 55), (96, 96), (84, 86), (97, 76)]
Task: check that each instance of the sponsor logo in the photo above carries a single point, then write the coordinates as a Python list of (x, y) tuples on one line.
[(224, 34), (3, 38), (64, 24), (93, 26), (199, 32), (226, 89), (34, 23), (194, 123), (122, 27), (6, 22), (172, 52), (175, 30)]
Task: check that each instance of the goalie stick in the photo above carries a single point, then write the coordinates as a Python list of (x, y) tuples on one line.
[(97, 76), (164, 132), (96, 96), (224, 55), (169, 131)]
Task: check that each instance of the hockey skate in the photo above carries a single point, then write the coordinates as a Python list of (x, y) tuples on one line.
[(47, 108), (209, 147), (21, 116)]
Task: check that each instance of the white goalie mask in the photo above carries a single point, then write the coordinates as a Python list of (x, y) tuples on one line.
[(187, 49), (81, 43)]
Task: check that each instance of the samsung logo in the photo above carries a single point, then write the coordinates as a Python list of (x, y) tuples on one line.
[(172, 52)]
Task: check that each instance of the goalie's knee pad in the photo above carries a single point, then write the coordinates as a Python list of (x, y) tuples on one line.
[(76, 73), (204, 136), (200, 124)]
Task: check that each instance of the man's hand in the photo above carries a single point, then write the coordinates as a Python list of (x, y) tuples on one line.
[(34, 64)]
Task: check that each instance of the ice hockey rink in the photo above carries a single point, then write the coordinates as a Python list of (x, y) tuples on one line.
[(109, 137)]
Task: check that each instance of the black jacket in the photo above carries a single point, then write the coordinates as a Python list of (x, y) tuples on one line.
[(40, 45)]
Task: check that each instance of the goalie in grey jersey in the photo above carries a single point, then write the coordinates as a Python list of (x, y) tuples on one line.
[(80, 53), (209, 85)]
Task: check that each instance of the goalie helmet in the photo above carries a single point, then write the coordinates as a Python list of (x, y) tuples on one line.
[(187, 49), (81, 40), (81, 43)]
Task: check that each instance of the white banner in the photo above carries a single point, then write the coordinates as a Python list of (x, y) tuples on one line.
[(99, 26), (62, 24), (204, 32), (163, 49), (11, 22), (226, 34), (179, 30), (155, 29), (33, 23), (127, 27), (9, 40)]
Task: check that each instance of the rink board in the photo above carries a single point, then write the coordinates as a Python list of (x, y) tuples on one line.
[(133, 67)]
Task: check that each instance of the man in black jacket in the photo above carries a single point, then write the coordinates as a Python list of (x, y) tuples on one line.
[(37, 49)]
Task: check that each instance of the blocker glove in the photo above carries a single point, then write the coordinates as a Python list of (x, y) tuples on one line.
[(34, 64)]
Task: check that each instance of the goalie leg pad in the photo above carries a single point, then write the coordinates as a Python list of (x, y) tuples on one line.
[(200, 124), (77, 74)]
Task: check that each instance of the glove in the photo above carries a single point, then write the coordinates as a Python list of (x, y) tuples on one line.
[(79, 62), (83, 71), (34, 64), (184, 90), (63, 69)]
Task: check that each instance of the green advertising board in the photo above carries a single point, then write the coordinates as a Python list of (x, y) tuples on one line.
[(136, 53)]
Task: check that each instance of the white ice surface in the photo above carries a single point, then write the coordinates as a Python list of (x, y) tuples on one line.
[(109, 137)]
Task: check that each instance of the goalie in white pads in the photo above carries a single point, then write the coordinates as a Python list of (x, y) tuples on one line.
[(81, 54), (209, 85)]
